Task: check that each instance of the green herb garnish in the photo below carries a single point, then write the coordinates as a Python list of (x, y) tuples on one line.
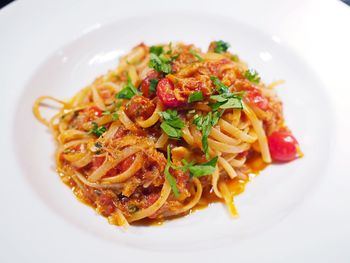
[(171, 180), (196, 55), (115, 116), (171, 131), (153, 85), (220, 87), (252, 76), (204, 124), (156, 50), (172, 123), (195, 96), (158, 61), (128, 91), (98, 131), (227, 101), (198, 170), (221, 46)]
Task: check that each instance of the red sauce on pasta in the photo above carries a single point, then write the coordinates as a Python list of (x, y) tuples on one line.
[(170, 131)]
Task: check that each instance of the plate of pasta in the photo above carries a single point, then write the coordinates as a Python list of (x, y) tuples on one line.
[(155, 139)]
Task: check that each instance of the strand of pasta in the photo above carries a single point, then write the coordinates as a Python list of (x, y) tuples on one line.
[(260, 133), (194, 201), (136, 165), (164, 194)]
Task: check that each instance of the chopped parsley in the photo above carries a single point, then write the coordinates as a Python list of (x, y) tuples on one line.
[(252, 76), (158, 61), (172, 123), (171, 180), (128, 91), (198, 170), (114, 115), (153, 85), (98, 131), (204, 124), (196, 55), (220, 87), (195, 96), (157, 50), (171, 131), (225, 99), (221, 46)]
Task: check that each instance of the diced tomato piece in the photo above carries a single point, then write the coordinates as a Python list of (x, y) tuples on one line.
[(97, 161), (165, 92), (139, 106), (124, 165), (106, 201), (94, 111), (121, 167), (145, 84), (255, 97), (283, 146), (121, 132)]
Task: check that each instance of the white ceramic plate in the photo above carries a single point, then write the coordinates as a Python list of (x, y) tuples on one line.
[(295, 212)]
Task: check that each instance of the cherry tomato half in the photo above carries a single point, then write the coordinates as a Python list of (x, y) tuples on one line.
[(255, 97), (165, 92), (283, 146), (145, 84)]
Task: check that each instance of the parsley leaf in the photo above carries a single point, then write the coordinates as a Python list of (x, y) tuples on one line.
[(172, 123), (221, 46), (203, 169), (198, 170), (172, 118), (196, 55), (171, 131), (252, 76), (160, 63), (128, 91), (227, 101), (115, 116), (220, 87), (204, 124), (98, 131), (195, 96), (156, 50), (171, 180), (153, 85)]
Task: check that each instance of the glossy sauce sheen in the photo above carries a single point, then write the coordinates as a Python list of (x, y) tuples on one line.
[(236, 187)]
